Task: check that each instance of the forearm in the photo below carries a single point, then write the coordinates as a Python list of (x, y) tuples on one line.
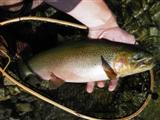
[(94, 13), (63, 5)]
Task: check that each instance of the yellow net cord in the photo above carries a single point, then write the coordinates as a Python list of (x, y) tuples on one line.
[(43, 19), (30, 91)]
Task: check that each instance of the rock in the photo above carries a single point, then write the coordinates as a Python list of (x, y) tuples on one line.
[(24, 107)]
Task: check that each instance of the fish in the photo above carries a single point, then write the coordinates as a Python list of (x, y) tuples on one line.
[(88, 60)]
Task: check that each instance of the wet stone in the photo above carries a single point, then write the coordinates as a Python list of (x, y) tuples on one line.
[(24, 107)]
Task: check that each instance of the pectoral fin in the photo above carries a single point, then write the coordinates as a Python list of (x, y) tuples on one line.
[(111, 75), (55, 81)]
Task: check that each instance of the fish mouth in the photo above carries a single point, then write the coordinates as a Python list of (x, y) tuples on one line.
[(146, 63), (140, 66)]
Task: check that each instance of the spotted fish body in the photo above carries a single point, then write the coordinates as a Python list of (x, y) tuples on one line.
[(81, 61)]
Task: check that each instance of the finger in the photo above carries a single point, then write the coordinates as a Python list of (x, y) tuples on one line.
[(131, 39), (101, 84), (125, 37), (136, 43), (112, 85), (90, 87)]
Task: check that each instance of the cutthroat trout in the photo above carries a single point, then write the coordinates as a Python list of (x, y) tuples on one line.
[(89, 60)]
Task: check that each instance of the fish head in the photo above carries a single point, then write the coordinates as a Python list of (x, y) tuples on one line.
[(132, 62)]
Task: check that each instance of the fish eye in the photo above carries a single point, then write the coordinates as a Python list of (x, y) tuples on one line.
[(138, 56)]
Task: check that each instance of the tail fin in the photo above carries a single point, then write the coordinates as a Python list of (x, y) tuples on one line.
[(23, 69)]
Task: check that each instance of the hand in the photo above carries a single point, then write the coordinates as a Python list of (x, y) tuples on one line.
[(114, 34)]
